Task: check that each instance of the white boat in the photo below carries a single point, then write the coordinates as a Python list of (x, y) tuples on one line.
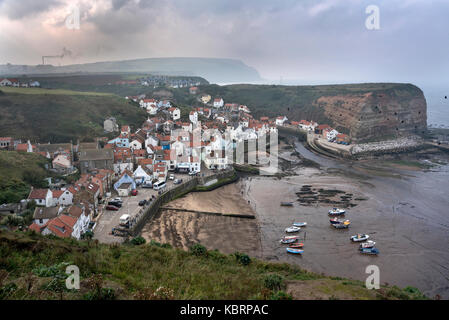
[(359, 237), (336, 212), (292, 229), (299, 224), (368, 244)]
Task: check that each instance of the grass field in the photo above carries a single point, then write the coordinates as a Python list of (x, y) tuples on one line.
[(60, 115), (32, 267)]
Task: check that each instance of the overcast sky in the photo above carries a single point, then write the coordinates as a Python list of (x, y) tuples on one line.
[(310, 40)]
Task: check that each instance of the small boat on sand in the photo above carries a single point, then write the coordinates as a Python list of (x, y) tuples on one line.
[(299, 224), (287, 240), (296, 245), (287, 204), (359, 237), (368, 244), (342, 225), (294, 250), (292, 229), (336, 212), (373, 251), (337, 221)]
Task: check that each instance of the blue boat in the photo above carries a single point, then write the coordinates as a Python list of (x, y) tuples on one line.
[(294, 250), (373, 251)]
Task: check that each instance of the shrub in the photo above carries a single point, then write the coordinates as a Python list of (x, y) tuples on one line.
[(242, 258), (166, 246), (137, 241), (273, 282), (198, 250), (281, 295), (155, 243), (7, 290)]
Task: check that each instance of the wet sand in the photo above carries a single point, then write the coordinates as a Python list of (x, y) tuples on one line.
[(227, 234), (406, 216)]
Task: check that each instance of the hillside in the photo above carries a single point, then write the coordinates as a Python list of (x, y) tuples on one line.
[(18, 171), (213, 69), (365, 111), (61, 115), (32, 267)]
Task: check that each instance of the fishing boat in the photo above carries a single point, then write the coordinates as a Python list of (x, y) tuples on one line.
[(374, 251), (288, 240), (292, 229), (297, 245), (299, 224), (337, 221), (294, 250), (368, 244), (287, 204), (359, 237), (336, 212), (342, 225)]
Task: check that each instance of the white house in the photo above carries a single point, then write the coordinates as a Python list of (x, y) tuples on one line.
[(42, 215), (81, 214), (136, 144), (5, 82), (152, 109), (142, 174), (146, 103), (62, 197), (218, 103), (281, 120), (175, 113), (193, 117), (42, 197), (216, 159)]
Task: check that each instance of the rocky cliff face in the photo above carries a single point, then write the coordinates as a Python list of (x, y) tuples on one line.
[(396, 110)]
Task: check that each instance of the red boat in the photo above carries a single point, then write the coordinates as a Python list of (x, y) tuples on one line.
[(296, 245)]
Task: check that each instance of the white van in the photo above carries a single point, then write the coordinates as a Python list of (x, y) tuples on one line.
[(124, 220), (159, 185)]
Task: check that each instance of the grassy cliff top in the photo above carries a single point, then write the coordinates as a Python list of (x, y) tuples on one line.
[(60, 115), (32, 266)]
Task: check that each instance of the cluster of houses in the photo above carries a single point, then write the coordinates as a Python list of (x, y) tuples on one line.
[(13, 82), (68, 211), (326, 131)]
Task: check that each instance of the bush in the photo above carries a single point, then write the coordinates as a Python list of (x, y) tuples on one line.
[(281, 295), (155, 243), (166, 246), (273, 282), (137, 241), (7, 290), (198, 250), (242, 258)]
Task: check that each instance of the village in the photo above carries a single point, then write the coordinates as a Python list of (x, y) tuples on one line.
[(119, 177)]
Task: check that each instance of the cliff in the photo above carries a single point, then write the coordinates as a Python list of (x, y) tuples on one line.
[(397, 111)]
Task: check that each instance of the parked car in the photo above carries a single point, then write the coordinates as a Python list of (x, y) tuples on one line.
[(118, 199), (134, 192), (147, 185), (177, 181), (142, 202), (124, 220), (172, 177), (193, 173), (111, 207), (115, 203)]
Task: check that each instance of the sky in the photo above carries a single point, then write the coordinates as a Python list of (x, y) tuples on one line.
[(309, 41)]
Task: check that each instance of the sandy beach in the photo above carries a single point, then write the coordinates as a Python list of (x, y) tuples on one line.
[(227, 234)]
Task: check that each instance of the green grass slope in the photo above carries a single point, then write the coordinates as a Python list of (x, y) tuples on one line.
[(18, 172), (60, 115), (32, 267)]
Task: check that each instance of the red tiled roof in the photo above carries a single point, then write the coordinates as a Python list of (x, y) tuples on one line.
[(38, 194)]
